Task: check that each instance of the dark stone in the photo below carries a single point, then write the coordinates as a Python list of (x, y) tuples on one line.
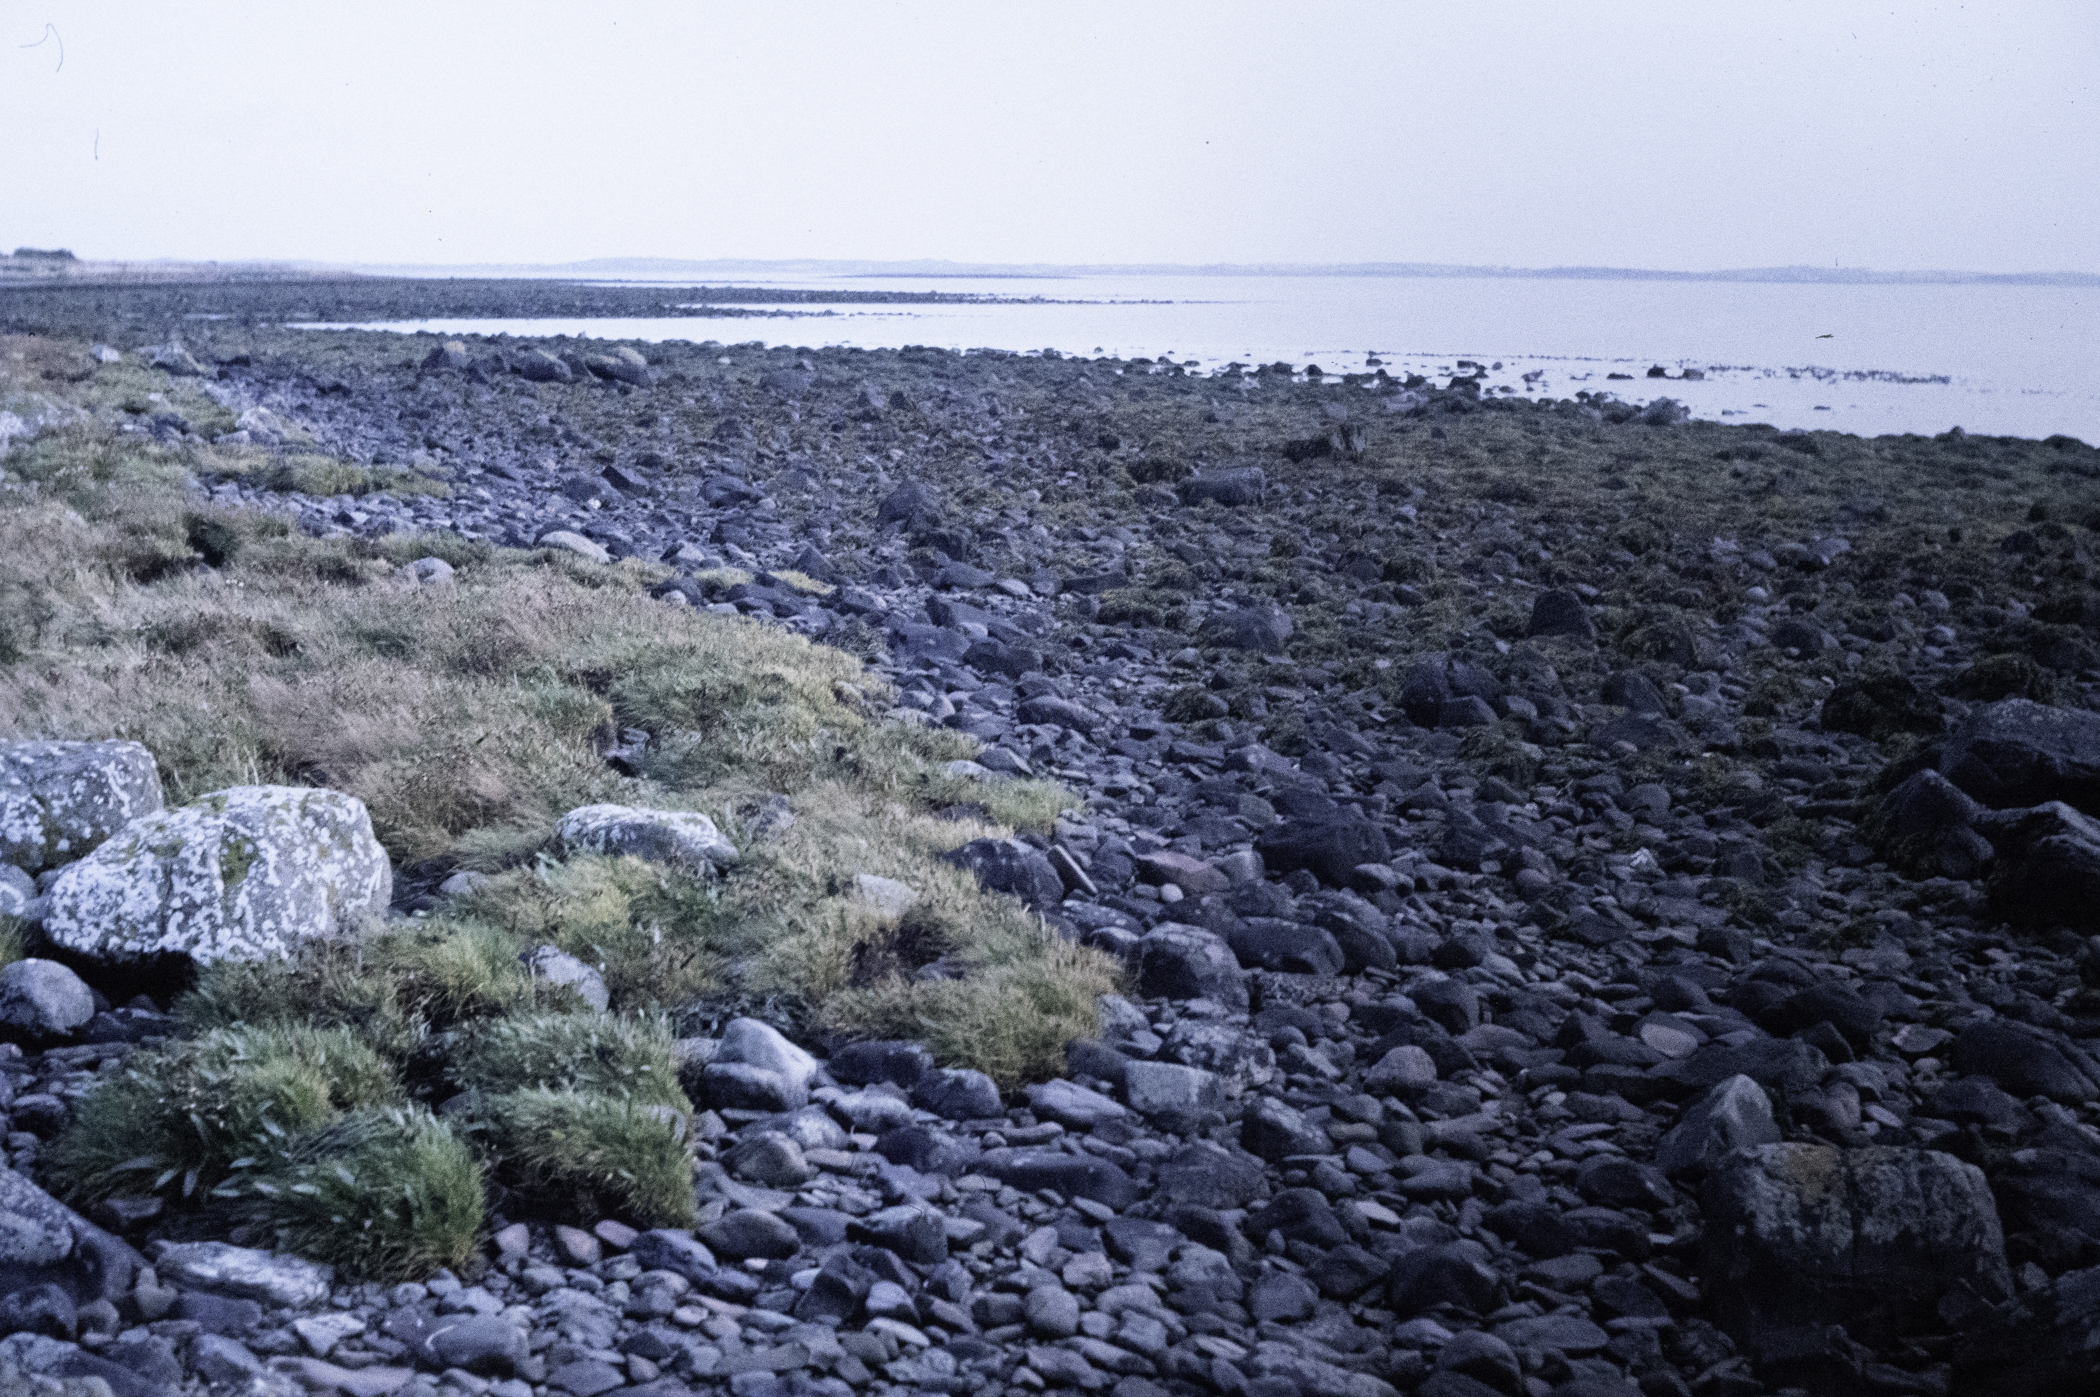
[(1241, 487), (1267, 943), (1330, 850), (900, 1063), (1262, 629), (218, 1314), (2018, 753), (1801, 1237), (1559, 611), (1275, 1131), (1208, 1175), (958, 1094), (1073, 1175), (914, 1235), (2026, 1061), (1185, 962), (1926, 827), (1301, 1215), (2047, 871), (1880, 705), (1455, 1273), (1009, 866)]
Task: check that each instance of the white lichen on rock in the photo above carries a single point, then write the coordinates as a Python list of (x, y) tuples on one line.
[(58, 800), (247, 873), (681, 838)]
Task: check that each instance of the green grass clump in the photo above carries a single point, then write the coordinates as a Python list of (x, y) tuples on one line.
[(329, 985), (650, 934), (323, 476), (586, 1156), (387, 1195), (181, 1119), (617, 1056)]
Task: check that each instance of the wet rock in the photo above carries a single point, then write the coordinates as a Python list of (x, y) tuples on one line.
[(2047, 872), (1802, 1237), (2019, 753)]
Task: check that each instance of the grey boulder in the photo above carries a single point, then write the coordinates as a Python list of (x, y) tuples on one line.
[(2017, 752), (59, 800), (683, 839), (757, 1068), (1735, 1114), (1263, 629), (2047, 872), (248, 873), (41, 1000), (244, 1273)]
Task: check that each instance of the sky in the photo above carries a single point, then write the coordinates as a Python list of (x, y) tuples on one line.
[(1720, 134)]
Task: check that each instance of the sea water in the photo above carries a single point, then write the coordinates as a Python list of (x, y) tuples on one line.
[(1873, 359)]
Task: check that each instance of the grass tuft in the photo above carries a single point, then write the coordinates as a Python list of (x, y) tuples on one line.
[(385, 1195), (180, 1119), (584, 1156), (616, 1056)]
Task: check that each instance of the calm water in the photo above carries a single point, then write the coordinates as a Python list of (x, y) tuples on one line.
[(2010, 360)]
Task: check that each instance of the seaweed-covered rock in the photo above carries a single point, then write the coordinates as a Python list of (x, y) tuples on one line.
[(1880, 705), (59, 800), (1926, 826), (2048, 866), (1800, 1238), (2017, 753), (682, 838), (247, 873)]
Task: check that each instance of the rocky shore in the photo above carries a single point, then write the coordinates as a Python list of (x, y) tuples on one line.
[(1605, 900)]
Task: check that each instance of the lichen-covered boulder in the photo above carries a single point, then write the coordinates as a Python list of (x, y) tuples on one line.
[(58, 800), (681, 838), (247, 873)]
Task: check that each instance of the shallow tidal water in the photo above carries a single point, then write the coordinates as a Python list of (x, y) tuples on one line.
[(2002, 360)]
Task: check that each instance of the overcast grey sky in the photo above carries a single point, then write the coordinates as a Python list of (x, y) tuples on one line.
[(1680, 135)]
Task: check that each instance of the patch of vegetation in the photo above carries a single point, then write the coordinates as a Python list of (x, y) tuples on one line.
[(381, 1194), (1997, 677), (620, 1056), (323, 476), (179, 1120), (585, 1156)]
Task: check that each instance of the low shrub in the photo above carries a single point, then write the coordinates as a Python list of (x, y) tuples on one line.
[(180, 1118), (582, 1156), (621, 1056), (384, 1195)]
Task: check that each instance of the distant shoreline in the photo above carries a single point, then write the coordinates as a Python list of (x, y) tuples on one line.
[(23, 270)]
